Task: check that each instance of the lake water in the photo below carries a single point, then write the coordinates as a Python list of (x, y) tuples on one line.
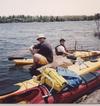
[(16, 38)]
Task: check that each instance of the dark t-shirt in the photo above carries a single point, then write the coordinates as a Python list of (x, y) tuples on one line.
[(46, 50)]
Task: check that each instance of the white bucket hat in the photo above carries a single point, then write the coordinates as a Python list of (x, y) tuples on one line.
[(41, 36)]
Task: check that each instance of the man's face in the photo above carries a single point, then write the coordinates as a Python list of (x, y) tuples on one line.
[(62, 42), (41, 40)]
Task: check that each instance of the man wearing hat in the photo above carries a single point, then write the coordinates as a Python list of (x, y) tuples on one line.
[(42, 52)]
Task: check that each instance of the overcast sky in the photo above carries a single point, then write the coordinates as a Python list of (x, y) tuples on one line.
[(49, 7)]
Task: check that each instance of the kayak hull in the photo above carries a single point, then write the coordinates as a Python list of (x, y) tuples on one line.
[(23, 86), (41, 95), (76, 93)]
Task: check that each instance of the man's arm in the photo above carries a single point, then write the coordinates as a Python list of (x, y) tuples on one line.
[(69, 55), (33, 50), (62, 49)]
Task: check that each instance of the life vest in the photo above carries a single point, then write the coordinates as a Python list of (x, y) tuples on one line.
[(57, 52)]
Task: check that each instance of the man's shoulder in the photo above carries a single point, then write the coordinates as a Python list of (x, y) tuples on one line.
[(46, 44), (36, 45), (58, 46)]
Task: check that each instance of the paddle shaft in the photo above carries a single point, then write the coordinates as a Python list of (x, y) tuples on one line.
[(13, 58)]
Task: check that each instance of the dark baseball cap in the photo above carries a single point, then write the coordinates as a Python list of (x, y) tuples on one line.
[(62, 40)]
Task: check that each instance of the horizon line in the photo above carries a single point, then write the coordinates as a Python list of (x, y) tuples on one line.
[(46, 15)]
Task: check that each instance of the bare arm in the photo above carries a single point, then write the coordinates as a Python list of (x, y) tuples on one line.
[(33, 50)]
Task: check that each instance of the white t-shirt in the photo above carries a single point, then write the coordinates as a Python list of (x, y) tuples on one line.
[(61, 49)]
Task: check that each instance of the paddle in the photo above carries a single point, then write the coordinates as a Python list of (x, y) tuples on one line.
[(13, 58)]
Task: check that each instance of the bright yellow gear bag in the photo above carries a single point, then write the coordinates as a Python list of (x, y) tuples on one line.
[(50, 77)]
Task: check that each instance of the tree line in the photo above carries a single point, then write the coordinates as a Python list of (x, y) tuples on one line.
[(23, 18)]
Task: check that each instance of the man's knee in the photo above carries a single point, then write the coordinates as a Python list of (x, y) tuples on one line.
[(36, 57), (39, 59)]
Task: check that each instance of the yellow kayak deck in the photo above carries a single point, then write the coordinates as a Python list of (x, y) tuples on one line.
[(85, 67), (23, 61), (25, 85), (82, 54)]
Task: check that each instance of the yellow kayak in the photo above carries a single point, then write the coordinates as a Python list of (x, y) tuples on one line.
[(86, 67), (23, 61), (84, 54)]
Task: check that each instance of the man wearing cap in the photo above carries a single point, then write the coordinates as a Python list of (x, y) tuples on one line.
[(61, 50), (42, 52)]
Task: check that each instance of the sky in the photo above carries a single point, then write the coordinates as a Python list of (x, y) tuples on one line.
[(49, 7)]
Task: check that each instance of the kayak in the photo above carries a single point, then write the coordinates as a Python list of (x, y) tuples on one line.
[(90, 82), (85, 54), (18, 88), (23, 61), (36, 95), (41, 95), (82, 54), (85, 67), (49, 76)]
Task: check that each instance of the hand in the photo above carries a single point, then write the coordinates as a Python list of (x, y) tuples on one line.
[(35, 51)]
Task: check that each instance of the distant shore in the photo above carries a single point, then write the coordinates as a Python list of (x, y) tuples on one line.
[(23, 18)]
